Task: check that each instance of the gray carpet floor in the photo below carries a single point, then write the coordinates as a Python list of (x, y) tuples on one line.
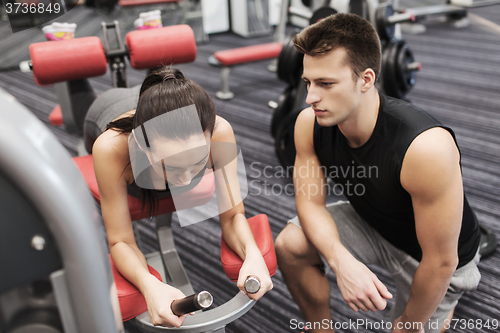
[(458, 84)]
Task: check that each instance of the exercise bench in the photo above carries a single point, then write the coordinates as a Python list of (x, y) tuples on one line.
[(241, 55)]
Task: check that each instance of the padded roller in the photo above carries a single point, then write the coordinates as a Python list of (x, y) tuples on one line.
[(261, 230), (156, 47), (66, 60)]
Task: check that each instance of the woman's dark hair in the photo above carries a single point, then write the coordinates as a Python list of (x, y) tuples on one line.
[(166, 89)]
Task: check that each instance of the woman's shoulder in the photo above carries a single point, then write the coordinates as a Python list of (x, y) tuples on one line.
[(110, 150), (223, 131)]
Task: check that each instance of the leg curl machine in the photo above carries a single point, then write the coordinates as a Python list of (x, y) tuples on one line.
[(166, 263), (59, 279)]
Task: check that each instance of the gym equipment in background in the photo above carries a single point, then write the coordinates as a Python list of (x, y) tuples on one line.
[(232, 57), (64, 64), (249, 18), (241, 55)]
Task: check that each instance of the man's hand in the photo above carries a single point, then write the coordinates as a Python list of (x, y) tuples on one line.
[(409, 327), (360, 288)]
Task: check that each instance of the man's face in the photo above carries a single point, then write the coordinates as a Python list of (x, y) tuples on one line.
[(332, 92)]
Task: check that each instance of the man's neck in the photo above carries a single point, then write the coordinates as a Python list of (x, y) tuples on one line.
[(359, 126)]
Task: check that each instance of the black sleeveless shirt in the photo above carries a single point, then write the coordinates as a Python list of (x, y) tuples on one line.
[(370, 176)]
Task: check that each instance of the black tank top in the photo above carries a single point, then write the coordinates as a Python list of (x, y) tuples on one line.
[(370, 176)]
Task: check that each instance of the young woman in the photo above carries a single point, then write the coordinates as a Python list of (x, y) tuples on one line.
[(156, 122)]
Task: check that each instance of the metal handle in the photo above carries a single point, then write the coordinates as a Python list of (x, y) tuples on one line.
[(400, 18), (252, 284), (199, 301), (413, 66)]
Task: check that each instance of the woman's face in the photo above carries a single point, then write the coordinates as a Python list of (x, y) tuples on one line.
[(178, 161)]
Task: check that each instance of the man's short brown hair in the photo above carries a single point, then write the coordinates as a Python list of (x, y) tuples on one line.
[(352, 32)]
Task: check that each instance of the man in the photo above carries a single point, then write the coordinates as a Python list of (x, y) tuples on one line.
[(400, 171)]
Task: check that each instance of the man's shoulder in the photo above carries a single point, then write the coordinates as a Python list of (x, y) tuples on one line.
[(406, 113)]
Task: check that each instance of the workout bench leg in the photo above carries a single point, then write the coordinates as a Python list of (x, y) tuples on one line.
[(224, 93)]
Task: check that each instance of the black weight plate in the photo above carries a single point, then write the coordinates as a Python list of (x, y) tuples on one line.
[(284, 143), (389, 83), (395, 55), (285, 104), (406, 79), (385, 30), (321, 13), (290, 62)]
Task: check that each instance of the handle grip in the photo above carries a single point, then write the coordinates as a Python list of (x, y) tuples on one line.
[(199, 301), (252, 284)]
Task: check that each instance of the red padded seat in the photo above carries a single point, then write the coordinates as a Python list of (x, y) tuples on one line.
[(248, 54), (132, 302), (231, 262), (199, 195)]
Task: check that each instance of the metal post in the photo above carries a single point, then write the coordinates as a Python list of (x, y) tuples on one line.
[(224, 93)]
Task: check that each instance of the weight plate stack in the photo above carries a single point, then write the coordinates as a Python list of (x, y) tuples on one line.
[(284, 143), (397, 75), (290, 62)]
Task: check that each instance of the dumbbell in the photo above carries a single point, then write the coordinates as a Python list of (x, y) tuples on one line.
[(385, 21)]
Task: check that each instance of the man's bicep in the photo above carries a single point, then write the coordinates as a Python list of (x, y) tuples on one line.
[(308, 177), (431, 174)]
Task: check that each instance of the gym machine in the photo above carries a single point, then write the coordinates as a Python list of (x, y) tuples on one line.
[(56, 274), (68, 68)]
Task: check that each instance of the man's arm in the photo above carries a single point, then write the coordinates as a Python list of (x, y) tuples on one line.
[(431, 174), (360, 288)]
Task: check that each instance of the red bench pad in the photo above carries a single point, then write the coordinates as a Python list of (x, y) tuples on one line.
[(248, 54), (231, 262), (199, 195), (165, 46), (132, 302), (67, 60), (55, 117)]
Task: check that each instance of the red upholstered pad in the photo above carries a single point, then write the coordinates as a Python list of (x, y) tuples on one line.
[(231, 262), (165, 46), (55, 117), (199, 195), (65, 60), (132, 302), (248, 54), (126, 3)]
